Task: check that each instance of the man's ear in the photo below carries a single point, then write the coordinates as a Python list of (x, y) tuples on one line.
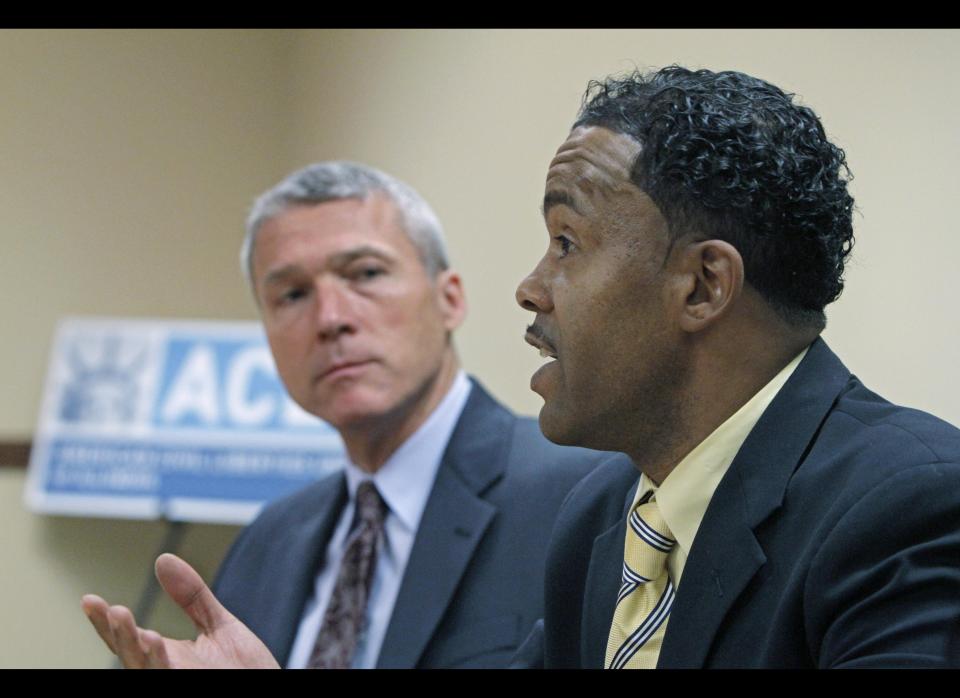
[(712, 281), (451, 299)]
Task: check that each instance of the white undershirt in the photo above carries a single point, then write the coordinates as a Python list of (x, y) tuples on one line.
[(405, 482)]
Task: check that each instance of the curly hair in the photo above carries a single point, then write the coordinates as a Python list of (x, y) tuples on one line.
[(733, 157)]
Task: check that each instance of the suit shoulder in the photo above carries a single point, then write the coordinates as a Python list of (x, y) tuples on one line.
[(600, 497), (532, 456), (300, 506), (265, 542), (865, 443), (868, 431)]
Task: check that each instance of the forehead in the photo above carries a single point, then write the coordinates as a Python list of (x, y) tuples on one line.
[(375, 215), (594, 160), (308, 232)]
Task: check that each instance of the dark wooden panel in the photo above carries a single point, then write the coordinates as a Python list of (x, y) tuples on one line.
[(14, 454)]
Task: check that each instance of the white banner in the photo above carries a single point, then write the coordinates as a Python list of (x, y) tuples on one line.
[(185, 420)]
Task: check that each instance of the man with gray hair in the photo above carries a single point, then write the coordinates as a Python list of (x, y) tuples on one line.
[(429, 549)]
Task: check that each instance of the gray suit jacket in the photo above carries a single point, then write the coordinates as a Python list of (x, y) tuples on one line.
[(473, 586)]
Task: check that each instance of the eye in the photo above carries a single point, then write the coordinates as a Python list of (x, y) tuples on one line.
[(564, 243), (291, 295), (367, 272)]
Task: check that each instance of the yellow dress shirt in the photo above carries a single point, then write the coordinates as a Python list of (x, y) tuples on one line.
[(686, 492)]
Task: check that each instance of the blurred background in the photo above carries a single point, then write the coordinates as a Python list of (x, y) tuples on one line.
[(129, 159)]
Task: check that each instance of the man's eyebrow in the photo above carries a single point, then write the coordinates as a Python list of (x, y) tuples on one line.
[(341, 259), (280, 274), (558, 198)]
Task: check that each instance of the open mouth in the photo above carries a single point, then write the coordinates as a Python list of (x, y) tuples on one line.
[(535, 338)]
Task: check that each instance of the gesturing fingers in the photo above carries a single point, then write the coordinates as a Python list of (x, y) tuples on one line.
[(155, 650), (126, 637), (96, 609), (188, 590)]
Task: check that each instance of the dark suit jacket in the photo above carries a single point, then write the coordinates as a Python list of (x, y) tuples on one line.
[(473, 586), (833, 540)]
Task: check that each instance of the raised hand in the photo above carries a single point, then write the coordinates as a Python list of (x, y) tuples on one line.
[(222, 642)]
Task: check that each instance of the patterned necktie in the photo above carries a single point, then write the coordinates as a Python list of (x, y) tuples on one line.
[(646, 594), (345, 617)]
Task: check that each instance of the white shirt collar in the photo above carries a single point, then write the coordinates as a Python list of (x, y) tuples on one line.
[(406, 479)]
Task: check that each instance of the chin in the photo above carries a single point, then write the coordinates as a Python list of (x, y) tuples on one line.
[(566, 429), (556, 428), (361, 408), (352, 409)]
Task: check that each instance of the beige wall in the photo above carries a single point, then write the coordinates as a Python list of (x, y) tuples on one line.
[(130, 157), (472, 118), (128, 160), (50, 561)]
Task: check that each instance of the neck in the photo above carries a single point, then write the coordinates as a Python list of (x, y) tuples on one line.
[(723, 374), (371, 444)]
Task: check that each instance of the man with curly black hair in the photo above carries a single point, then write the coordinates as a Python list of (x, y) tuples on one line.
[(784, 515)]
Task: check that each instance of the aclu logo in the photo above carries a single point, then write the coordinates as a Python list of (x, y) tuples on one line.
[(103, 383), (225, 383)]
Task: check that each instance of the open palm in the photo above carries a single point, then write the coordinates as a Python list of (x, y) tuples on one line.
[(222, 642)]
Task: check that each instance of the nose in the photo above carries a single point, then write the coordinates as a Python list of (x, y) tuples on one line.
[(335, 315), (532, 293)]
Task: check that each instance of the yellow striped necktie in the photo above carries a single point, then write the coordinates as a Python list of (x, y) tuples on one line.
[(646, 594)]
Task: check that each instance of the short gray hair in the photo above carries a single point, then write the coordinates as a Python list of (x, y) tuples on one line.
[(337, 180)]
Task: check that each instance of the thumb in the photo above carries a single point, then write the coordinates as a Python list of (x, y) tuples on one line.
[(185, 586)]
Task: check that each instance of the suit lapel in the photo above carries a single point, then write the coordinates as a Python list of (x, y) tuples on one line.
[(453, 523), (292, 584), (726, 554), (721, 564)]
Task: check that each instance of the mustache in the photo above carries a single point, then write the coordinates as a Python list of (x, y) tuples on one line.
[(537, 332)]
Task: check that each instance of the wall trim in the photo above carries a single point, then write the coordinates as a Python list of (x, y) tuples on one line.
[(15, 454)]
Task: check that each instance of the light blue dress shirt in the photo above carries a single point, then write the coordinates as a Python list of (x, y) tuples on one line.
[(405, 482)]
